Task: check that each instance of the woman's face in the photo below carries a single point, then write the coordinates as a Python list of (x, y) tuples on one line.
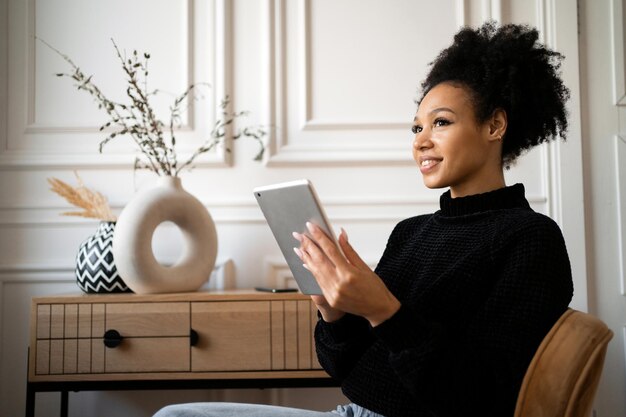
[(451, 148)]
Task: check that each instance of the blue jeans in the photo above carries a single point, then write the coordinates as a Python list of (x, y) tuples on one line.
[(220, 409)]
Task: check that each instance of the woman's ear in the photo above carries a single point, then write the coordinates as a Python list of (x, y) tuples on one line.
[(497, 125)]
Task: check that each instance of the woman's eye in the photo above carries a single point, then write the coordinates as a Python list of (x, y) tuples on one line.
[(416, 129), (441, 122)]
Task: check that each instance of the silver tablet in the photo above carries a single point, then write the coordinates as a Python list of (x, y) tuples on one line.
[(287, 207)]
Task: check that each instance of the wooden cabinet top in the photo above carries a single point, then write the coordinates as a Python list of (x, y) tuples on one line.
[(229, 295)]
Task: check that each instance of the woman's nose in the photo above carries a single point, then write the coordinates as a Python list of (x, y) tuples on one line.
[(422, 140)]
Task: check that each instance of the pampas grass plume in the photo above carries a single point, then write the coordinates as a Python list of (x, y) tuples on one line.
[(93, 203)]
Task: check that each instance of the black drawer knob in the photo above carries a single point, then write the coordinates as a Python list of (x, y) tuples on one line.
[(112, 338), (193, 337)]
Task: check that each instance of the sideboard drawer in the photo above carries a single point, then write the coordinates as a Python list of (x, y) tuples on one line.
[(70, 338), (150, 354), (148, 319)]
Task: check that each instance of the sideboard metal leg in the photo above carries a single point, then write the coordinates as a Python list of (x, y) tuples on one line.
[(64, 401), (30, 401)]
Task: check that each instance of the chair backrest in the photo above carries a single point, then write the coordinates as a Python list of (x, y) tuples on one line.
[(563, 376)]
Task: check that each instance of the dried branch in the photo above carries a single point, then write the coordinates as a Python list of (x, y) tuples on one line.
[(138, 119)]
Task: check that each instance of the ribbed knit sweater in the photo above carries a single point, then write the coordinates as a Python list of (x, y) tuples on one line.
[(481, 282)]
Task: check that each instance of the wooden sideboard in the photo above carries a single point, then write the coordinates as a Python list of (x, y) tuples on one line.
[(240, 338)]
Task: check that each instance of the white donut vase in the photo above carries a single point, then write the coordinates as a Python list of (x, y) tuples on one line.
[(132, 242)]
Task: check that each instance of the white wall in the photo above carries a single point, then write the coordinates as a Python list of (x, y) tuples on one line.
[(602, 86), (336, 80)]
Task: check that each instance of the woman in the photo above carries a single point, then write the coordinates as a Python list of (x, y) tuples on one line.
[(461, 299)]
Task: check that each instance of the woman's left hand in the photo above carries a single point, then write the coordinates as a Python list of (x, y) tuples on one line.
[(346, 280)]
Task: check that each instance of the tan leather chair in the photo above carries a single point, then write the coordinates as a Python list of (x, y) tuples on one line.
[(563, 376)]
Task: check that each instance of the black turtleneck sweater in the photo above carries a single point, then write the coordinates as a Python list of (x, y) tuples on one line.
[(481, 281)]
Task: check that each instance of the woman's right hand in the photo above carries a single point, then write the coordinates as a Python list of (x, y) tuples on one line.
[(329, 314), (348, 283)]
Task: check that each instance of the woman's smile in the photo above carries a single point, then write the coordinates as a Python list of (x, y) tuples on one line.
[(428, 164)]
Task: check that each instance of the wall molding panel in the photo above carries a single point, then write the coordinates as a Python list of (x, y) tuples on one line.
[(357, 209), (33, 144), (550, 152), (302, 138), (557, 22), (222, 277), (229, 213), (618, 19), (620, 163), (307, 122), (475, 12), (491, 10), (4, 73)]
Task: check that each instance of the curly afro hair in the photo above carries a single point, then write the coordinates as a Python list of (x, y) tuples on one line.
[(505, 67)]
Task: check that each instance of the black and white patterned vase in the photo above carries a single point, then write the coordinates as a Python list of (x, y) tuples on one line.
[(95, 267)]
